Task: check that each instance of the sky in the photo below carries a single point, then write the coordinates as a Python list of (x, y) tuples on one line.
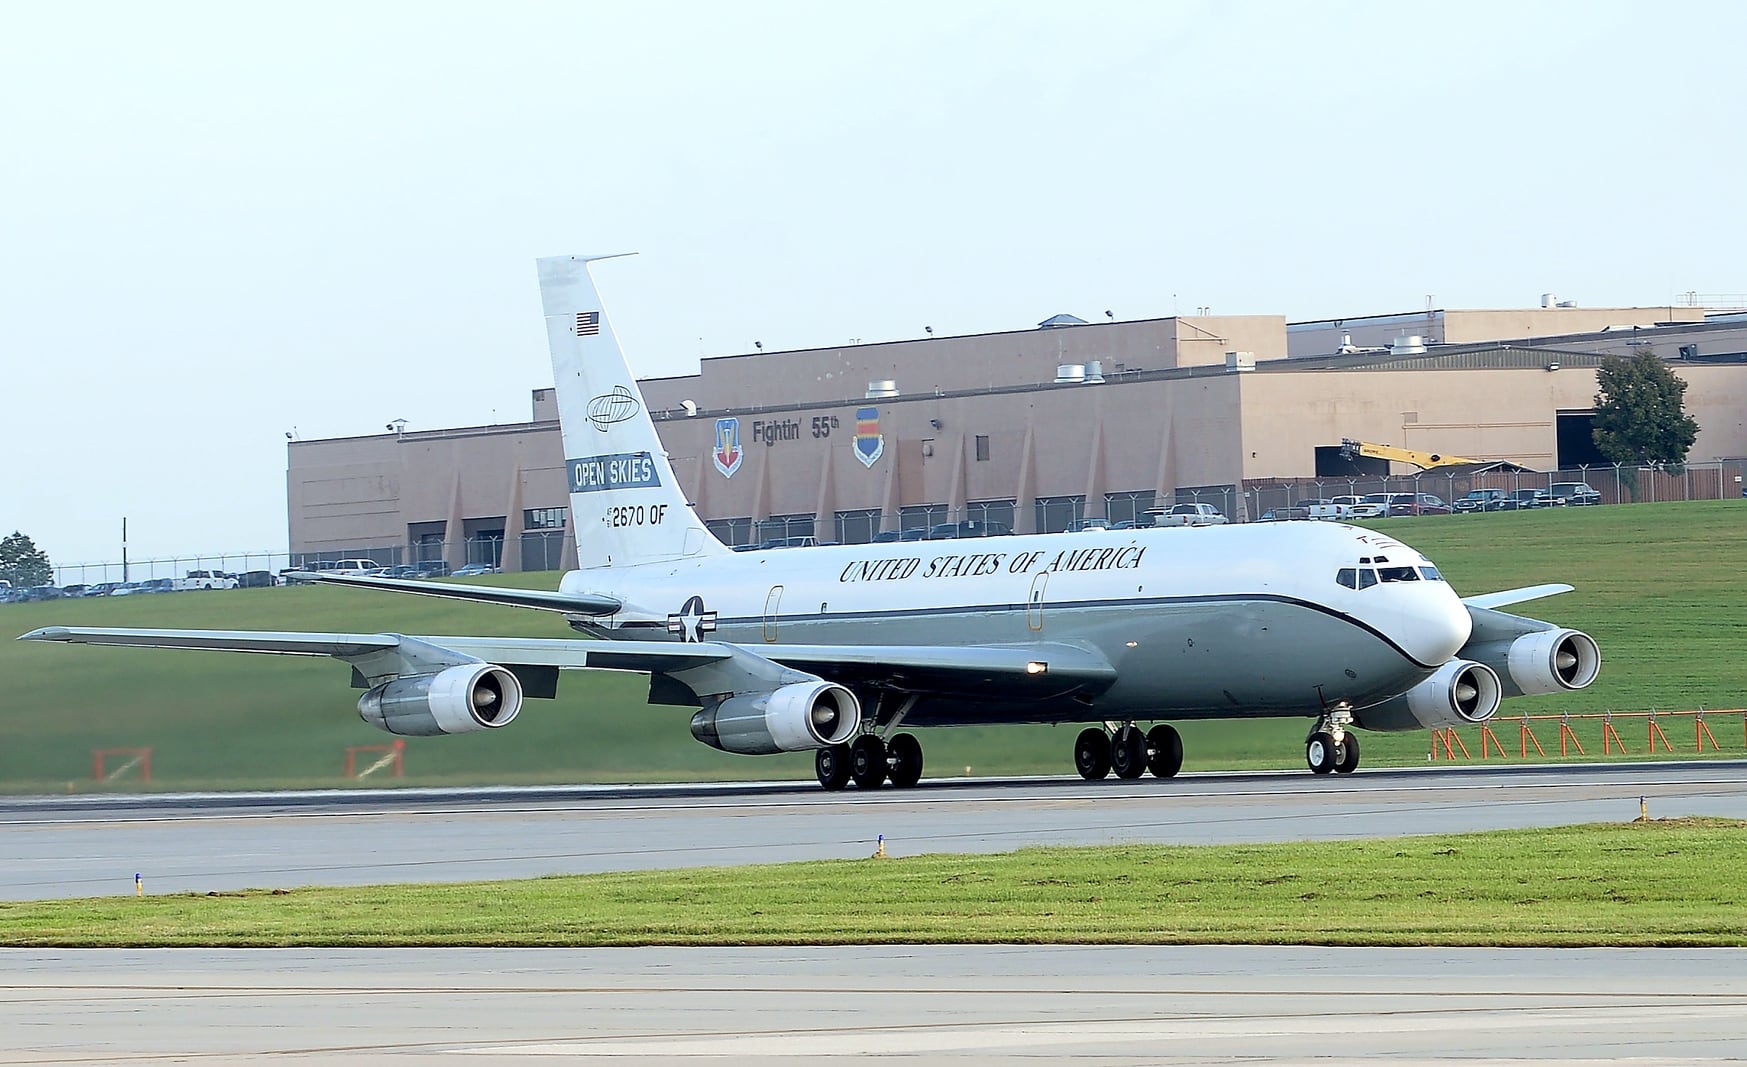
[(222, 224)]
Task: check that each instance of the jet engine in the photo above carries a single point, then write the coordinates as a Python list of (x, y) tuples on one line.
[(456, 700), (796, 717), (1461, 693), (1546, 661)]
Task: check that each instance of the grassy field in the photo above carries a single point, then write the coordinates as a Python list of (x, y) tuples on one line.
[(1659, 586), (1677, 882)]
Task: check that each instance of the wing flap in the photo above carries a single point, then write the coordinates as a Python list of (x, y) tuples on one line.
[(505, 651), (576, 603), (982, 671)]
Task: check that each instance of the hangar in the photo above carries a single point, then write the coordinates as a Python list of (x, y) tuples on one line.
[(1036, 429)]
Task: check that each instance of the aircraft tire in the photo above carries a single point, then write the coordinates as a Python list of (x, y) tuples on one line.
[(831, 764), (1165, 751), (906, 760), (1321, 752), (867, 762), (1349, 759), (1092, 754), (1128, 753)]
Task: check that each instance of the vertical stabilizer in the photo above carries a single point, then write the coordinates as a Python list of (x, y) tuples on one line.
[(625, 505)]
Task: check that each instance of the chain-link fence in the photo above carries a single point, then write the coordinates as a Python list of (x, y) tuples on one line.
[(1611, 485), (1261, 499), (536, 551)]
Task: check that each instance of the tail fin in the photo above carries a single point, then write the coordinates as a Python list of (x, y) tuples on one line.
[(625, 505)]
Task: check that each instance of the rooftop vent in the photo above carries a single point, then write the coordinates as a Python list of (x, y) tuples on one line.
[(882, 389), (1070, 373), (1408, 344), (1061, 320)]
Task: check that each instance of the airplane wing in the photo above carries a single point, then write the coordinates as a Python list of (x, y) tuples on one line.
[(577, 603), (1020, 671), (1515, 596)]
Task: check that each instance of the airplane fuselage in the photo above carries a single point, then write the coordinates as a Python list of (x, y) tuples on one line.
[(1198, 622)]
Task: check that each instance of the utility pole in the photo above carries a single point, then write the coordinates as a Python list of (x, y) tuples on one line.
[(124, 548)]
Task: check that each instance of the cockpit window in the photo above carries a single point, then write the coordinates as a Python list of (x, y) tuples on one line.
[(1430, 574), (1397, 574), (1367, 578), (1348, 577)]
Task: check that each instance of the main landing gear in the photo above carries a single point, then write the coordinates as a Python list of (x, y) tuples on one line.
[(1332, 747), (870, 762), (1127, 751)]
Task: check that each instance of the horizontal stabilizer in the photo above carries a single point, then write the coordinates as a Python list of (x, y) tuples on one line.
[(1515, 596), (577, 603)]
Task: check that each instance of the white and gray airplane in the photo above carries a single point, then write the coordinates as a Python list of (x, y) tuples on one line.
[(835, 648)]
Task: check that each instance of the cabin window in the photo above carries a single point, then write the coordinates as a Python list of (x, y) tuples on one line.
[(1367, 578), (1348, 576), (1430, 574), (1397, 574)]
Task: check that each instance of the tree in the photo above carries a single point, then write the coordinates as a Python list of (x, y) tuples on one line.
[(22, 563), (1640, 415)]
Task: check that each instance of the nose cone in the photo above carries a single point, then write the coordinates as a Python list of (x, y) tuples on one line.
[(1437, 625)]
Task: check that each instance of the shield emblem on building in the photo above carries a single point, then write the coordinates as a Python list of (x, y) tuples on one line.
[(870, 444), (728, 453)]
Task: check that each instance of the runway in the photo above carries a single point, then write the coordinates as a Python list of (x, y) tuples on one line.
[(967, 1005), (964, 1004), (89, 846)]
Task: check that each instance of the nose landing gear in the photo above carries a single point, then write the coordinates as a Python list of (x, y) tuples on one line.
[(1332, 747)]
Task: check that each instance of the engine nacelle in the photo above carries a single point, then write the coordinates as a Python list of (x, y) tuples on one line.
[(1552, 661), (1461, 693), (456, 700), (791, 719)]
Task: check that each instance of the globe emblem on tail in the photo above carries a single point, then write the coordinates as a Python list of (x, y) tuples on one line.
[(616, 406)]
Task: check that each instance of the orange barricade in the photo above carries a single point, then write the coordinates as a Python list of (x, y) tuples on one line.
[(1447, 743), (393, 754), (137, 757)]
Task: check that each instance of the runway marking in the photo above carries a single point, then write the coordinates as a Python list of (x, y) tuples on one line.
[(1162, 1030)]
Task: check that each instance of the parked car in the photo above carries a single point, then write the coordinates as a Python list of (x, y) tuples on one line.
[(914, 533), (101, 589), (1526, 500), (1369, 506), (1480, 500), (1574, 494), (948, 530), (1187, 515), (352, 567), (125, 589), (475, 569), (157, 585), (1412, 503), (207, 580), (257, 579), (433, 568)]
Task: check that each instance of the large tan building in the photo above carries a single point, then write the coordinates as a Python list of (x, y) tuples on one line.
[(1036, 429)]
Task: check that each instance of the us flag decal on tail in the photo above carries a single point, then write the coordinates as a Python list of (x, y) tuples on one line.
[(588, 323)]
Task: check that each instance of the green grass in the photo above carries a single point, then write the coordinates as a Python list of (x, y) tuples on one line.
[(1659, 586), (1659, 883)]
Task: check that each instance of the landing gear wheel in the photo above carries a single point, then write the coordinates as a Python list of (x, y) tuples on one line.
[(867, 762), (1321, 752), (1165, 751), (1349, 761), (831, 764), (1128, 752), (906, 753), (1092, 754)]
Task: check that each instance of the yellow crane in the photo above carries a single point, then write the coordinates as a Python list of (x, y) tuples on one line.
[(1423, 460)]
